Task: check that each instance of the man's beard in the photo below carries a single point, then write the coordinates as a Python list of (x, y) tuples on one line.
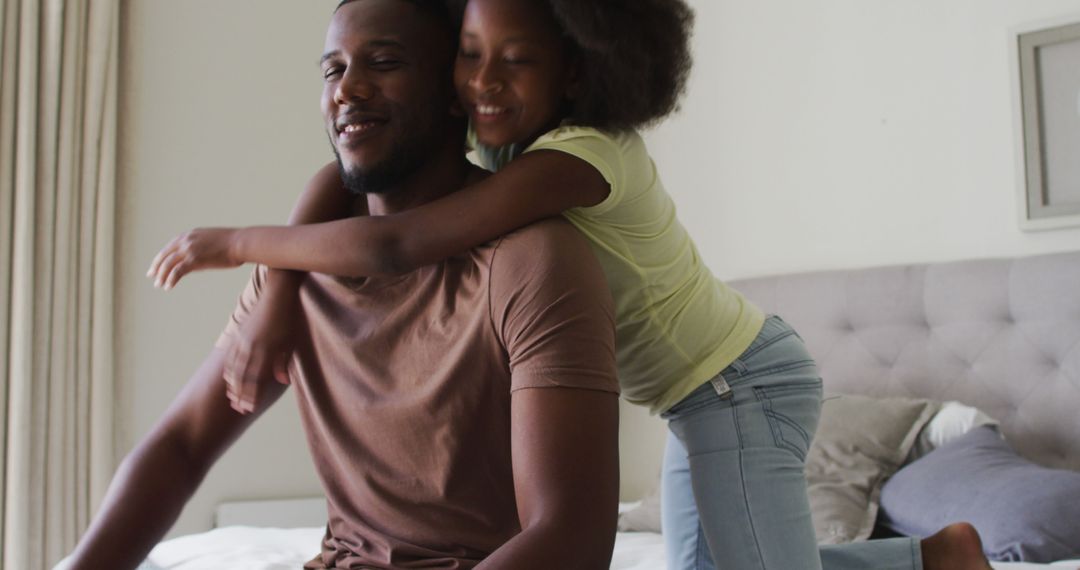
[(381, 178), (388, 175)]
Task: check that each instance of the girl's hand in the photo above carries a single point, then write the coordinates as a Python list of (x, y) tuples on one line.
[(203, 248), (261, 350)]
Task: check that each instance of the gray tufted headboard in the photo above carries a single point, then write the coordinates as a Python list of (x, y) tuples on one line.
[(1002, 335)]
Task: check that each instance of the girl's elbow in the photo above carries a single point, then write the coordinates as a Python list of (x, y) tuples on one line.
[(386, 256)]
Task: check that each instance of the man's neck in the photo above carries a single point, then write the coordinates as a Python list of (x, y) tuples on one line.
[(446, 171)]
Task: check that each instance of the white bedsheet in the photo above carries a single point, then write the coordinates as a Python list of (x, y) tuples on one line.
[(249, 548)]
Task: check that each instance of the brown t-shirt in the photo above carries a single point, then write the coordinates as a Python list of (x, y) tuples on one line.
[(404, 387)]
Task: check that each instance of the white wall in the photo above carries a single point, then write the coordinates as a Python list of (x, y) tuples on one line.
[(825, 134), (220, 125), (844, 133), (840, 133)]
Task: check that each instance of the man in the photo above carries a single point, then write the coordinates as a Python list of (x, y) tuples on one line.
[(462, 415)]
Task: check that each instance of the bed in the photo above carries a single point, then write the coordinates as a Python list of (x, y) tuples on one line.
[(239, 546), (999, 336)]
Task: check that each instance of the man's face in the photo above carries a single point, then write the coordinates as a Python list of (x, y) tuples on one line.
[(387, 91)]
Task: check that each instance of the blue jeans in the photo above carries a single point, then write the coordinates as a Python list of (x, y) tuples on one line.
[(734, 482)]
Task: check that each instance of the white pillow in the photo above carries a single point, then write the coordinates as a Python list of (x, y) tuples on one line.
[(952, 421)]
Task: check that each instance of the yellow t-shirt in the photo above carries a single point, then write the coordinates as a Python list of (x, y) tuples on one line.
[(677, 326)]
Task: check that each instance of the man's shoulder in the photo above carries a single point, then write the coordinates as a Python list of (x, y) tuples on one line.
[(548, 254), (550, 235), (549, 245), (552, 309)]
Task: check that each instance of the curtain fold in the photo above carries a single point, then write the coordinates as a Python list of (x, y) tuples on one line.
[(8, 16), (58, 65)]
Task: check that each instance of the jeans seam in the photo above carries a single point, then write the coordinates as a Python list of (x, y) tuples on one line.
[(774, 419), (769, 342), (772, 370), (742, 483), (916, 555), (746, 505), (692, 407), (781, 441), (738, 381), (790, 386), (699, 555)]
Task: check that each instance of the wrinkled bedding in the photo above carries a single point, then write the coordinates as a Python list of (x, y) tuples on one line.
[(250, 548)]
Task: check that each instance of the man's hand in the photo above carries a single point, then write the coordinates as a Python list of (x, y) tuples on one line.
[(203, 248)]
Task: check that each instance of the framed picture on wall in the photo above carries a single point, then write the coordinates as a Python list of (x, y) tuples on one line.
[(1049, 81)]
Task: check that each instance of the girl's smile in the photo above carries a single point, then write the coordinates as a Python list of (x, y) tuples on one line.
[(514, 71)]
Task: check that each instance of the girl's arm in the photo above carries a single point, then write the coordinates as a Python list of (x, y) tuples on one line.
[(263, 346), (533, 186), (324, 198)]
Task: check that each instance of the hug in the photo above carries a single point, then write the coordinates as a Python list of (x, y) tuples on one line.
[(463, 294)]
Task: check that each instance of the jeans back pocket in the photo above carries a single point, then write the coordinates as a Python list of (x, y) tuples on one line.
[(792, 412)]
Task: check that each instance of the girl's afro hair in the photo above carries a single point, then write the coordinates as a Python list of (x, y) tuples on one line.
[(634, 59)]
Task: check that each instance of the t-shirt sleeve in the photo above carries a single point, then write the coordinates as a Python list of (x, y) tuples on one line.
[(552, 310), (243, 307), (604, 152)]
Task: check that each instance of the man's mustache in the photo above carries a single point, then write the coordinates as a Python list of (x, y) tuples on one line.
[(357, 115)]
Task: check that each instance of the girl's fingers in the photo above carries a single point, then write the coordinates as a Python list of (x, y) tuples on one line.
[(250, 391), (249, 383), (164, 268), (281, 369), (244, 380), (236, 357), (157, 260), (165, 251), (179, 270)]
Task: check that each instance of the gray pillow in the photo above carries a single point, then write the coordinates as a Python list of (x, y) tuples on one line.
[(860, 443), (1023, 511)]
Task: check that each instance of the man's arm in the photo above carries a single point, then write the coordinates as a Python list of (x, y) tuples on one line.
[(555, 316), (158, 477), (566, 479)]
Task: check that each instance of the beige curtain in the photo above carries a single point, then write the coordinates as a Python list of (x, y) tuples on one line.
[(58, 85)]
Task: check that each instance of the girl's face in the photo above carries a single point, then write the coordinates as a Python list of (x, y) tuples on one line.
[(513, 72)]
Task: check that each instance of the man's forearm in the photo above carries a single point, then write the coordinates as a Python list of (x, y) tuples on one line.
[(144, 500), (566, 480), (161, 474), (547, 546)]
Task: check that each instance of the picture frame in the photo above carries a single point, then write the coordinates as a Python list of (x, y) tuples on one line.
[(1047, 72)]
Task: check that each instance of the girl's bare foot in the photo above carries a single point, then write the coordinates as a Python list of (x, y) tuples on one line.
[(955, 547)]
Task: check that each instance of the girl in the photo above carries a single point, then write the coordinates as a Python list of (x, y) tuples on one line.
[(555, 90)]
